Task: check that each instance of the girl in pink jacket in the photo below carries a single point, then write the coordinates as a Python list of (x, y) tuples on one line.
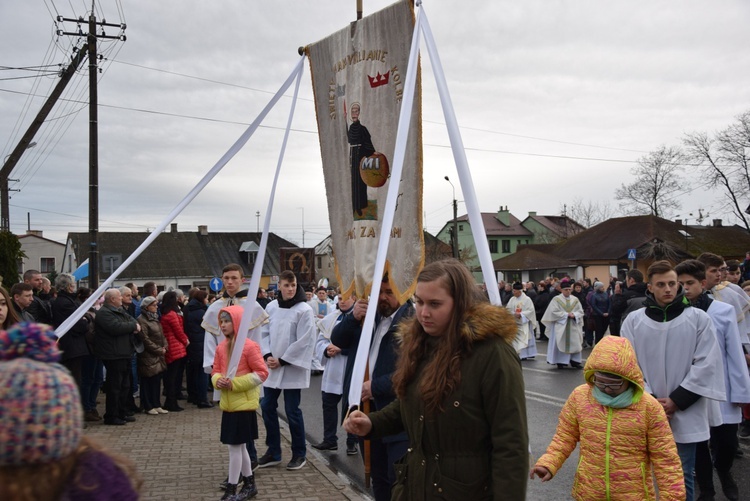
[(623, 431), (240, 398)]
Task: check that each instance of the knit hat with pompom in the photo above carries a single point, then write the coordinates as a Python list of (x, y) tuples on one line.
[(41, 419)]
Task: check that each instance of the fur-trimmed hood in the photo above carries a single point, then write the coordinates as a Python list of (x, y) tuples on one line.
[(484, 321)]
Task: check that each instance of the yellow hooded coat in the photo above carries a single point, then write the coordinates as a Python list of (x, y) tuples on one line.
[(619, 446)]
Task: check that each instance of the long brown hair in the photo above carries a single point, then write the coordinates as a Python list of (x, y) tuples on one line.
[(49, 480), (11, 317), (442, 373)]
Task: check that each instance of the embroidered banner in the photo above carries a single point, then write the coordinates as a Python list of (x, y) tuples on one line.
[(358, 79)]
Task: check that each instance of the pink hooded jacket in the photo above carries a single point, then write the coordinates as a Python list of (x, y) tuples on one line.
[(251, 371)]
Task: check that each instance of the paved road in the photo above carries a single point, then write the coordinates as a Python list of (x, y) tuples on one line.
[(547, 388)]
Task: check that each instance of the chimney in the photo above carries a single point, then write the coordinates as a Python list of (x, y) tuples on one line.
[(173, 229), (36, 233), (503, 215), (203, 229), (678, 221), (532, 213), (717, 223)]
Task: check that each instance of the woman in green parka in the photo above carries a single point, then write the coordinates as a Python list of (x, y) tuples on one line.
[(460, 396)]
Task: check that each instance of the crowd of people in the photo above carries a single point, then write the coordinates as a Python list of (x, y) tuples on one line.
[(665, 394)]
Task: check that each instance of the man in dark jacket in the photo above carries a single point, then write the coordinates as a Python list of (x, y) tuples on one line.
[(73, 343), (379, 387), (113, 344), (632, 297), (39, 308), (543, 297), (22, 296)]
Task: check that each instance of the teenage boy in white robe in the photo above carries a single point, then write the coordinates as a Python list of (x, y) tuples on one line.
[(727, 415), (680, 359), (563, 320), (522, 309), (287, 342)]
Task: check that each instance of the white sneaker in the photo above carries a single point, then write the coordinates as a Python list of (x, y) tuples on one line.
[(162, 411), (152, 412)]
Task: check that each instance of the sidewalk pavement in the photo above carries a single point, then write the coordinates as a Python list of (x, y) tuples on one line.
[(179, 456)]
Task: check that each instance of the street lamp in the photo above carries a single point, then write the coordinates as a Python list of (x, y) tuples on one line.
[(454, 237)]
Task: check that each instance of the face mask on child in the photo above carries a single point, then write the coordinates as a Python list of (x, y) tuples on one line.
[(620, 401)]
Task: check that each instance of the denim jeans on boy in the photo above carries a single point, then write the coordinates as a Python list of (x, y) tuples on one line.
[(92, 377), (269, 404), (687, 456)]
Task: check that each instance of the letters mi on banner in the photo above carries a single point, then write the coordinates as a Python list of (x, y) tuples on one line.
[(358, 77)]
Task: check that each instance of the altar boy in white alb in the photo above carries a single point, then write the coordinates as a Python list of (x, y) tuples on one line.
[(724, 417), (564, 322), (522, 309), (287, 342), (682, 367)]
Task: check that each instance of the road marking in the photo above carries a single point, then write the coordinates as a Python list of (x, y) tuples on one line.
[(548, 372), (545, 399)]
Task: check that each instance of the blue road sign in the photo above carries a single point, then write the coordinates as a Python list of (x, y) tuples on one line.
[(631, 254), (216, 284)]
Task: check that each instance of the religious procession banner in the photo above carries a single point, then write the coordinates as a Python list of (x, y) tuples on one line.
[(358, 77)]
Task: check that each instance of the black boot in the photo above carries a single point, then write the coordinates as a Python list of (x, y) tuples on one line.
[(230, 493), (728, 486), (249, 489)]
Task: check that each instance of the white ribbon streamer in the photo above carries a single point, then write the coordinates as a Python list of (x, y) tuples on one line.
[(247, 315), (236, 147), (363, 350)]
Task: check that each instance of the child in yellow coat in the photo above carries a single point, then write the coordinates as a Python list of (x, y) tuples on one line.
[(623, 433), (240, 397)]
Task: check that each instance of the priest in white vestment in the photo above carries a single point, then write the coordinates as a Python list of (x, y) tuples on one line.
[(522, 309), (563, 320)]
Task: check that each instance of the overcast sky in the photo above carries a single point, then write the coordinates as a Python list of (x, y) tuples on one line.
[(556, 101)]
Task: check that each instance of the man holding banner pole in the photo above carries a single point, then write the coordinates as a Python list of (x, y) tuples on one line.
[(377, 387)]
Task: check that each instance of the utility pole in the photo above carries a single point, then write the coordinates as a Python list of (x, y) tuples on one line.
[(454, 233), (92, 38), (26, 143)]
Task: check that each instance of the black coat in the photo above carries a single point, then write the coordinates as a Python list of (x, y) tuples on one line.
[(73, 343), (194, 312), (346, 335), (115, 330)]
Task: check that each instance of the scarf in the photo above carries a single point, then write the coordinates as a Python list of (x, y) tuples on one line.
[(151, 315), (620, 401)]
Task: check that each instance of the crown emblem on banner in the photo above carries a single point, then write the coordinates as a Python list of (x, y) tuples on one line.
[(379, 79)]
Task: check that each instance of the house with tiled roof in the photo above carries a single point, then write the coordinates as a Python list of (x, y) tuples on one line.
[(505, 233), (179, 259), (605, 249)]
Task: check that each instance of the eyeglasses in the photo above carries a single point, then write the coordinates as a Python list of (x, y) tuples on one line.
[(604, 386)]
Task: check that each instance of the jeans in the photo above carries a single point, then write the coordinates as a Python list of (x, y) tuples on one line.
[(687, 457), (269, 404), (134, 373), (92, 377)]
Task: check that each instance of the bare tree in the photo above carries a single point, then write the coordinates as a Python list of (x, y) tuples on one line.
[(588, 213), (657, 180), (724, 161)]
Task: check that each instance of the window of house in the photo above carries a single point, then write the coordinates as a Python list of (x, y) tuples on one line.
[(319, 259), (506, 246), (460, 227), (527, 240), (493, 246), (47, 264)]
